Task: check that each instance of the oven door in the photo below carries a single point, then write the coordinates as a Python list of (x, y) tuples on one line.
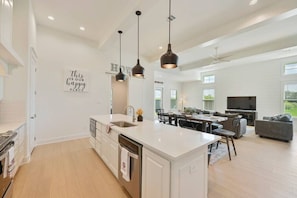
[(4, 177)]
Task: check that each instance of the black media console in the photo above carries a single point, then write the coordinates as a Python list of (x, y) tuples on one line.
[(250, 116)]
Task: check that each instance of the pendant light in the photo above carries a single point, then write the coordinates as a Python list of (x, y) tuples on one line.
[(138, 70), (169, 60), (120, 76)]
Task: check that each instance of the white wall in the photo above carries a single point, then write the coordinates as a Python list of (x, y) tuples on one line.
[(119, 96), (65, 115), (263, 80), (169, 83), (191, 93)]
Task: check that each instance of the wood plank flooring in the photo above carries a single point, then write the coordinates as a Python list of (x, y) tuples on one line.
[(66, 170), (262, 168)]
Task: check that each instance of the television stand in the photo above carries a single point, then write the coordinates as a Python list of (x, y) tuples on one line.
[(250, 116)]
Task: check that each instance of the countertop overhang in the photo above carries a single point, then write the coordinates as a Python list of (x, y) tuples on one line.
[(10, 126), (168, 141)]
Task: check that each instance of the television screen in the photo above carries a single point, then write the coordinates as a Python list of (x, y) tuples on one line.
[(242, 102)]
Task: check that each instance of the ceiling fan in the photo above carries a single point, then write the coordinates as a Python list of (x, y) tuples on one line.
[(218, 59)]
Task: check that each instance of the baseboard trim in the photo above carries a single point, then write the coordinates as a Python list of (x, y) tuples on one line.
[(62, 139)]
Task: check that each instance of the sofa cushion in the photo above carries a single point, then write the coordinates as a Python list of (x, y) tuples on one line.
[(284, 118), (280, 117)]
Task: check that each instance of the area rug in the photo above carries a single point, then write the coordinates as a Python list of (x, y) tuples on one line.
[(219, 153)]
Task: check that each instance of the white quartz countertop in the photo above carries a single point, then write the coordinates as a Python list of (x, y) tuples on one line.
[(168, 141), (6, 126)]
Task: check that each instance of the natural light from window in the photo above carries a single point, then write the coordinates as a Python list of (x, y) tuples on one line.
[(173, 99), (290, 99), (208, 99), (290, 68), (209, 79)]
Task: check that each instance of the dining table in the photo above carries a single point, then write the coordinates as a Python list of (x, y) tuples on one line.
[(206, 119)]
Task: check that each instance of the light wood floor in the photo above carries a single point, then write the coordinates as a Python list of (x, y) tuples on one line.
[(66, 170), (263, 168)]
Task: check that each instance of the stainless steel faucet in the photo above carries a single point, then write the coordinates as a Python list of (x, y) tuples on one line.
[(133, 116)]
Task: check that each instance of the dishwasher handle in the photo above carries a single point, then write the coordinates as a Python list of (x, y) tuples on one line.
[(133, 155)]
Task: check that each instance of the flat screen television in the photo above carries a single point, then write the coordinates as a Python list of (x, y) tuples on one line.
[(241, 102)]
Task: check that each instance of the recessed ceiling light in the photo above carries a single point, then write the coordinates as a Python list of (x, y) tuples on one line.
[(82, 28), (160, 47), (51, 18), (253, 2)]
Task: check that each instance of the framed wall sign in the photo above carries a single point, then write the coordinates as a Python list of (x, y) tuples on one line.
[(76, 80)]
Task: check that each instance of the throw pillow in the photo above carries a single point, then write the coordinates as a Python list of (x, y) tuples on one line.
[(284, 118)]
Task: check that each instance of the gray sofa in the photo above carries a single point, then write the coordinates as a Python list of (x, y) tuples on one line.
[(278, 127)]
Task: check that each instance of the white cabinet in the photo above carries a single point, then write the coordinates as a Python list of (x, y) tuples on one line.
[(104, 149), (106, 145), (155, 175), (113, 157), (181, 178), (8, 56), (1, 88), (6, 13), (189, 175), (98, 141), (20, 146), (109, 150)]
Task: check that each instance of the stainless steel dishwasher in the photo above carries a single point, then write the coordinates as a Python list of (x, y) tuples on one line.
[(135, 154)]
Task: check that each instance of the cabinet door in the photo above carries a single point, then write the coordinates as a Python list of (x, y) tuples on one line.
[(113, 161), (20, 147), (155, 175), (6, 13), (1, 86), (105, 149)]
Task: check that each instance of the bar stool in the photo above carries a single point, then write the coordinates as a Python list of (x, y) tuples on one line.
[(226, 134)]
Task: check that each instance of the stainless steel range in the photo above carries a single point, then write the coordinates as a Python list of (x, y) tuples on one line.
[(7, 163)]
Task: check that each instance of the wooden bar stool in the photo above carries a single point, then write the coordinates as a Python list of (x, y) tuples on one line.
[(226, 134)]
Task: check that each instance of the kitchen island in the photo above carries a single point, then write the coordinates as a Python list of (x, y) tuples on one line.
[(174, 160)]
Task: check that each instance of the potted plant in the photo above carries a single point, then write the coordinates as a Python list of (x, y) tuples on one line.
[(139, 113)]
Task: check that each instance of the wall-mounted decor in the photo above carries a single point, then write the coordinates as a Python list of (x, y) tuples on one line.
[(76, 80), (114, 68)]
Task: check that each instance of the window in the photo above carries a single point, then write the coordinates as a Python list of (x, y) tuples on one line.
[(158, 98), (290, 99), (209, 79), (173, 99), (290, 68), (208, 99)]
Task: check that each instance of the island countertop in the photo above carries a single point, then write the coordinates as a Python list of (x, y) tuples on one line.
[(168, 141)]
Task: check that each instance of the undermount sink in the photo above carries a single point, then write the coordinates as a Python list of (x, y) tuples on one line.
[(123, 124)]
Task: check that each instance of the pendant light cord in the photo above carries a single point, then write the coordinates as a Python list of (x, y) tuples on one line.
[(120, 32), (169, 18), (138, 38)]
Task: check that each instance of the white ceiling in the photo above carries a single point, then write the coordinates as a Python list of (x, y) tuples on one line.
[(241, 32)]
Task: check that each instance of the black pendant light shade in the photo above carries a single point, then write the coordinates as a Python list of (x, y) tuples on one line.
[(169, 60), (138, 70), (120, 76)]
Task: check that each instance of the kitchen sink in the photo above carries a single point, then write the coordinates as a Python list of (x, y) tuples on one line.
[(123, 124)]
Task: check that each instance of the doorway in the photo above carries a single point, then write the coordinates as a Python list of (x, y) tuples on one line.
[(32, 99), (119, 96), (158, 98)]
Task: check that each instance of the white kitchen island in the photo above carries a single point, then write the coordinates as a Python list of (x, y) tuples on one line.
[(174, 160)]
